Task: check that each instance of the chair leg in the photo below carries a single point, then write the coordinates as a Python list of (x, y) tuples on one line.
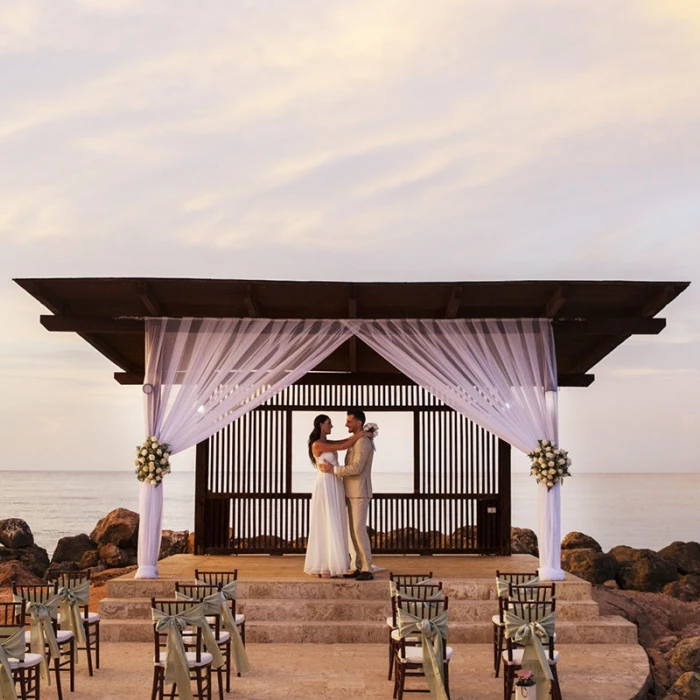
[(154, 689), (220, 678), (57, 671), (391, 654), (97, 644), (200, 687), (88, 647), (243, 633), (401, 678), (447, 679), (498, 649), (556, 688), (73, 651), (228, 666)]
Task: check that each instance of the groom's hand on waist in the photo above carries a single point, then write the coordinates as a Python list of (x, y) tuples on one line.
[(326, 467)]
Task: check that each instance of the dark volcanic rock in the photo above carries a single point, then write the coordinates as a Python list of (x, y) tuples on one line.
[(71, 549), (686, 588), (89, 560), (15, 533), (685, 555), (577, 540), (33, 557), (643, 569), (589, 564), (523, 541), (120, 528), (173, 542), (686, 655), (113, 556), (687, 687)]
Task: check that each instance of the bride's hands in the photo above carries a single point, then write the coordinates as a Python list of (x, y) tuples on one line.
[(367, 433)]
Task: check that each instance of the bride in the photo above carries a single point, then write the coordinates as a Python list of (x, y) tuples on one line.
[(327, 551)]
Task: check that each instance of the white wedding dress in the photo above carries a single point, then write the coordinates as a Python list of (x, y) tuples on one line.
[(327, 549)]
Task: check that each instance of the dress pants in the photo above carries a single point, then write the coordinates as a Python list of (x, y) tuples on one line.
[(357, 524)]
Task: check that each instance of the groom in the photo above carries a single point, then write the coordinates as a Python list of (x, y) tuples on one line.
[(357, 479)]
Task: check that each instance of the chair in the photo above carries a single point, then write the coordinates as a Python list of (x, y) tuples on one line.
[(409, 659), (517, 579), (530, 610), (198, 592), (415, 591), (25, 666), (199, 662), (409, 579), (226, 579), (47, 594), (91, 620)]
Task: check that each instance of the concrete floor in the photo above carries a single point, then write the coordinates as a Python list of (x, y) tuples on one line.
[(338, 671)]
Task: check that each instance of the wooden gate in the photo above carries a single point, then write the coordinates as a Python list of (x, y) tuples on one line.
[(245, 504)]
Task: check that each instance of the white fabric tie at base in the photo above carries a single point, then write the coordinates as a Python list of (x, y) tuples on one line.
[(549, 532)]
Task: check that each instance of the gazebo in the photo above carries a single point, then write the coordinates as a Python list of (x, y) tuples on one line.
[(225, 363)]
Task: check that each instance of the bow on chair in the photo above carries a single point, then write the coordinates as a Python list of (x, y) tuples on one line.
[(502, 586), (215, 604), (433, 635), (530, 634), (176, 667), (70, 600), (12, 647), (41, 632)]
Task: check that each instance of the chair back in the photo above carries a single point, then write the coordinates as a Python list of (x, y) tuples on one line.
[(168, 606), (40, 593), (425, 610), (531, 611), (516, 578), (419, 591), (409, 579), (198, 591), (69, 579), (12, 614), (532, 594), (216, 577)]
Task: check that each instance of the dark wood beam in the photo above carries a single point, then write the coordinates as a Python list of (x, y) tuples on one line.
[(582, 380), (91, 324), (148, 298), (657, 301), (556, 301), (619, 327), (129, 378), (452, 306), (251, 302), (601, 349)]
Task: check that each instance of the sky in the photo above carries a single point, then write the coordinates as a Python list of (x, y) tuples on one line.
[(373, 140)]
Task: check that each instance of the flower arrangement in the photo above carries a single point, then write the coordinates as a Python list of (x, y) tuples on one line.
[(371, 428), (152, 461), (523, 677), (550, 464)]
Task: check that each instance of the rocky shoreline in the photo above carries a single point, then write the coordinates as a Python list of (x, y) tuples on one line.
[(657, 591)]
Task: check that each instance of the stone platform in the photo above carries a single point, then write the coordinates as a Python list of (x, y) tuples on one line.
[(282, 605)]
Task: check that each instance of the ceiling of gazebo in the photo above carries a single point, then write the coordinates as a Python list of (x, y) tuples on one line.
[(590, 319)]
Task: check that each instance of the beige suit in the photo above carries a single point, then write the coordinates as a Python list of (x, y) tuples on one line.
[(357, 479)]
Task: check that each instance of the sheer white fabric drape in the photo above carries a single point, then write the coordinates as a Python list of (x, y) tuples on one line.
[(202, 374), (500, 373)]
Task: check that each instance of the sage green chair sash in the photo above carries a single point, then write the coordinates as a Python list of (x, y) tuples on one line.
[(41, 632), (12, 647), (228, 589), (176, 666), (70, 600), (215, 604), (502, 586), (395, 589), (530, 634), (433, 634)]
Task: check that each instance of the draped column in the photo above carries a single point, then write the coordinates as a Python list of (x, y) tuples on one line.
[(500, 373), (202, 374)]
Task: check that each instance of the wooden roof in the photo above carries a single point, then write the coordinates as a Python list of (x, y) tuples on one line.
[(590, 318)]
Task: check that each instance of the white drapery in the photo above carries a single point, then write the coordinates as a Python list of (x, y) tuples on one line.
[(500, 373), (202, 374)]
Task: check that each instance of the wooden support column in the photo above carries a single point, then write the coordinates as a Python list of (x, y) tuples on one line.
[(504, 494), (200, 495)]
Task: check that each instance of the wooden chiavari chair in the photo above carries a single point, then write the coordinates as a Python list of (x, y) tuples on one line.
[(224, 578), (26, 670)]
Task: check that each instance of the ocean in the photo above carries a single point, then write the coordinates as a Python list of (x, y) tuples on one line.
[(639, 510)]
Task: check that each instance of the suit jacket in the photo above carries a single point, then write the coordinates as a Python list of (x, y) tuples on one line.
[(357, 471)]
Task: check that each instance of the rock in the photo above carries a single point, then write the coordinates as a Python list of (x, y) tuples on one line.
[(89, 560), (15, 533), (686, 655), (72, 548), (16, 572), (190, 543), (523, 541), (35, 558), (612, 584), (120, 528), (685, 555), (107, 574), (577, 540), (589, 564), (464, 536), (113, 556), (643, 569), (686, 588), (406, 538), (173, 542), (687, 687)]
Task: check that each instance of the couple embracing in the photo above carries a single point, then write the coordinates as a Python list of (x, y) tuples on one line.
[(340, 500)]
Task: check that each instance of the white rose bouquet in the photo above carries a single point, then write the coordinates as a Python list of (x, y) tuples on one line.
[(152, 461), (550, 464)]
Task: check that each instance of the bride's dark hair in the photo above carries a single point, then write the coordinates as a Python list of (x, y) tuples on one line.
[(315, 435)]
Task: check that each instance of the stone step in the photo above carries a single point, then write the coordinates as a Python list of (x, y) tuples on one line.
[(341, 589), (319, 610), (604, 630)]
